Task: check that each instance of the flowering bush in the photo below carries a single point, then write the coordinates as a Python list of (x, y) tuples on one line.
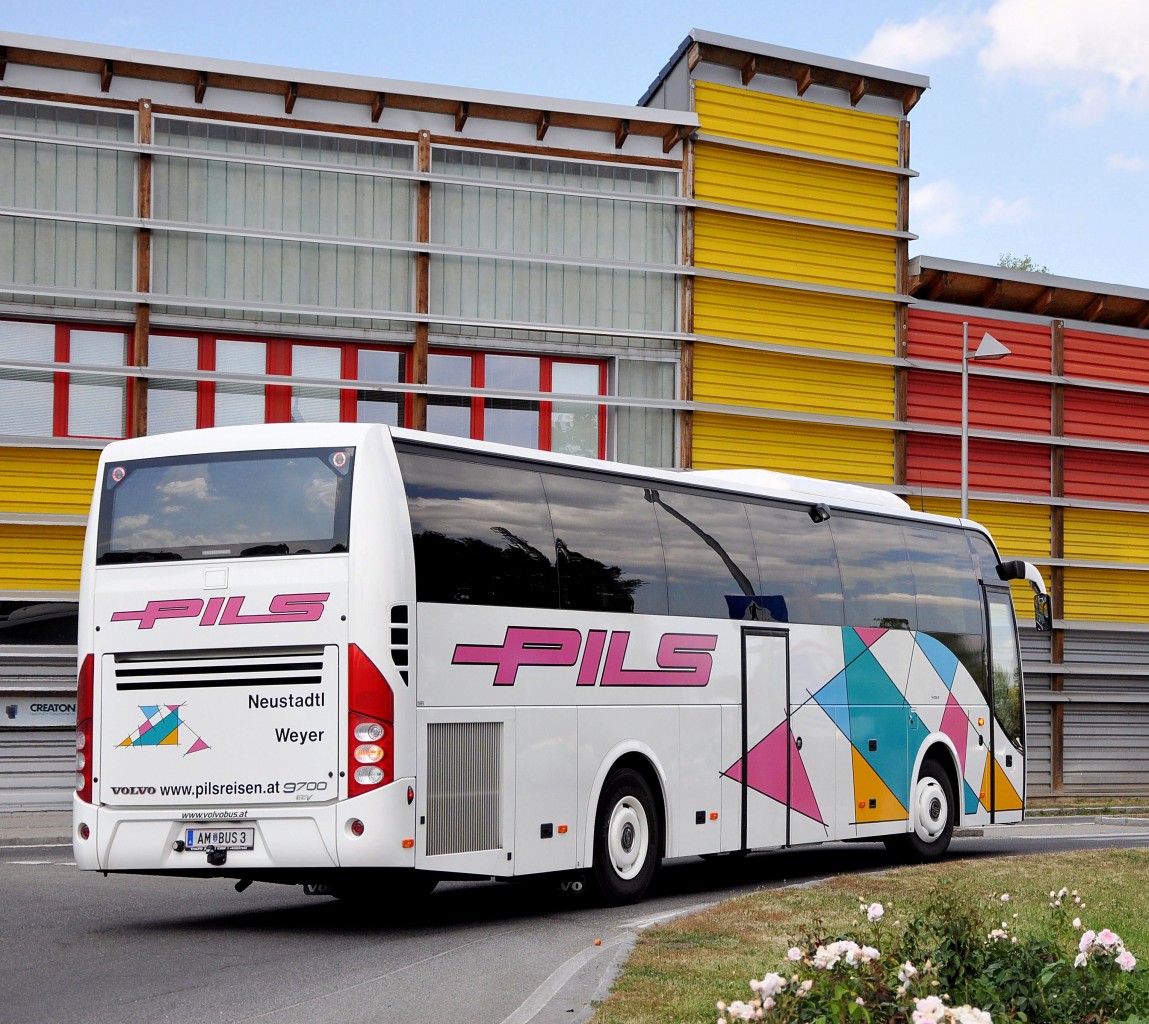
[(954, 964)]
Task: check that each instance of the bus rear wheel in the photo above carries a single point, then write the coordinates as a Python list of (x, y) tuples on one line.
[(932, 815), (627, 838)]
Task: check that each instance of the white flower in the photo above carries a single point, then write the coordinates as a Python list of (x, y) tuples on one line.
[(793, 953), (1126, 960), (1081, 960), (1086, 940), (771, 985), (1005, 897), (740, 1010), (969, 1015), (1108, 939), (875, 911), (930, 1010), (869, 955), (805, 987), (908, 972), (1077, 922), (861, 1002)]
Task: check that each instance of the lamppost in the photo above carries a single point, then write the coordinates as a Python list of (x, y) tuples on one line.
[(988, 348)]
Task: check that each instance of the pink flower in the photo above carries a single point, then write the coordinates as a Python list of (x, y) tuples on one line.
[(793, 953), (1086, 940), (1108, 939), (1126, 961), (770, 985), (875, 911)]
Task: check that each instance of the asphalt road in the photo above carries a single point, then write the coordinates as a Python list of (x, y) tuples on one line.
[(81, 947)]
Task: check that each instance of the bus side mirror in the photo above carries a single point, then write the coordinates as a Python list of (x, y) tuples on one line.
[(1042, 612)]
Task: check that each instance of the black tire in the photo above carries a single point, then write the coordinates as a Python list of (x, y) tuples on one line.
[(627, 838), (932, 815)]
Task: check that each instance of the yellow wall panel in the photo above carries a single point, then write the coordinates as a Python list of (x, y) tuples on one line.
[(1019, 531), (736, 376), (796, 252), (791, 123), (40, 557), (1094, 535), (795, 187), (833, 453), (732, 309), (1106, 595), (47, 480)]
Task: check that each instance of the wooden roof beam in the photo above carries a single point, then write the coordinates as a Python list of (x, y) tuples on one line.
[(542, 124), (935, 286), (621, 133), (673, 137), (910, 99), (992, 294), (290, 96), (106, 76), (462, 112), (804, 78), (200, 86), (1141, 320), (857, 91), (1095, 308), (378, 102), (1042, 302), (694, 56), (3, 62), (749, 69)]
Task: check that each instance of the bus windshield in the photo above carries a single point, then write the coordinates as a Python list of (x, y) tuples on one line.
[(228, 505)]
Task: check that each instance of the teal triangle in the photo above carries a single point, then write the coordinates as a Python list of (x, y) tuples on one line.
[(944, 660), (868, 682), (972, 804), (833, 699), (852, 644), (160, 731)]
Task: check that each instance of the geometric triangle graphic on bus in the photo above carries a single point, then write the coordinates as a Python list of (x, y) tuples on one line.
[(956, 725), (161, 728), (835, 702), (944, 660), (766, 773)]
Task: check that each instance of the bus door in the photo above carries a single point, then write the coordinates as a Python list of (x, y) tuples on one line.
[(1004, 778), (764, 767)]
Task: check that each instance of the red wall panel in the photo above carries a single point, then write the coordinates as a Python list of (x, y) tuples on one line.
[(937, 336), (994, 403), (935, 461), (1108, 357), (1107, 476), (1107, 415)]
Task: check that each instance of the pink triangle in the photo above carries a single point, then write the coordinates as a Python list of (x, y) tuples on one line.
[(198, 745), (766, 773), (869, 634), (174, 707), (955, 724)]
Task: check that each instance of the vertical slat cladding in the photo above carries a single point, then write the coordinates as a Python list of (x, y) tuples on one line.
[(836, 453), (1107, 415), (464, 787), (796, 187), (1106, 595), (994, 403), (40, 557), (47, 480), (770, 380), (1110, 357), (994, 466), (729, 309), (1106, 647), (937, 336), (796, 252), (1019, 531), (796, 124), (1107, 476), (1096, 535)]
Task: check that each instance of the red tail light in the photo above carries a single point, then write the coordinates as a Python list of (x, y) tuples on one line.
[(84, 752), (370, 725)]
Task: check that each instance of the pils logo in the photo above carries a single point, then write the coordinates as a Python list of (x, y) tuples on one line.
[(220, 611)]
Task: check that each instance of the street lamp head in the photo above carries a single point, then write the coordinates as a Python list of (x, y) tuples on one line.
[(989, 348)]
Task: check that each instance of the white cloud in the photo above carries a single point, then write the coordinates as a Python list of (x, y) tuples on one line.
[(937, 209), (915, 43), (1006, 211), (1122, 163)]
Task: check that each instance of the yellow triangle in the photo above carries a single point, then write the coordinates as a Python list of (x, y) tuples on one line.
[(125, 742), (868, 787), (172, 739), (1005, 797), (984, 792)]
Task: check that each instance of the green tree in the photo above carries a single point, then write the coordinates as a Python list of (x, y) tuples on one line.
[(1026, 262)]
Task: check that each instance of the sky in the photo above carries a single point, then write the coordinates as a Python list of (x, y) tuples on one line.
[(1032, 140)]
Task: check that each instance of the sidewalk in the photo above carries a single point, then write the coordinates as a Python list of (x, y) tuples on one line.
[(35, 828)]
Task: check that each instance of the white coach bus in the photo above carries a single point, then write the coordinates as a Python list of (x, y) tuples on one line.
[(345, 656)]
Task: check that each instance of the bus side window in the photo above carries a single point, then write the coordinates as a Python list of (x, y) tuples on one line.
[(797, 564), (710, 565), (608, 548), (481, 533), (877, 583)]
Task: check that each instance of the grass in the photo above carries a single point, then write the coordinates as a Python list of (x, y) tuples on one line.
[(678, 970)]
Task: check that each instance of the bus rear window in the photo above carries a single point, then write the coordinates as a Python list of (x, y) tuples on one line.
[(226, 505)]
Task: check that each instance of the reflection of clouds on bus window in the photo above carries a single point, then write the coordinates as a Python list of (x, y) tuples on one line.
[(321, 492), (195, 488)]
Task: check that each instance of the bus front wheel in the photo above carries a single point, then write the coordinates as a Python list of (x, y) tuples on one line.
[(932, 810), (627, 839)]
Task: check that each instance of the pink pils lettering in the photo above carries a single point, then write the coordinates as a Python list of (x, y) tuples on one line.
[(227, 612), (682, 659)]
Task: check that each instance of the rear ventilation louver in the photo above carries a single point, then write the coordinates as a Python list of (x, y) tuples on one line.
[(175, 670), (464, 787)]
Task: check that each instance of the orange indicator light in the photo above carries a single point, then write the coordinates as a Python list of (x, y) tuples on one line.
[(408, 844), (713, 815), (562, 830)]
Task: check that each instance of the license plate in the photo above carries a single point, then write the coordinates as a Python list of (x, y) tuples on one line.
[(219, 837)]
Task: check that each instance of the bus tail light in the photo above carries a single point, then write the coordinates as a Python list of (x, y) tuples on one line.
[(370, 719), (85, 682)]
